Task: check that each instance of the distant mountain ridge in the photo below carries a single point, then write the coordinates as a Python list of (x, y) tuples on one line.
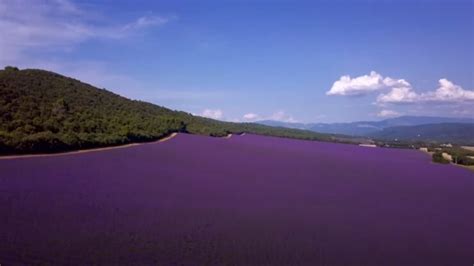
[(393, 128), (361, 128), (456, 133)]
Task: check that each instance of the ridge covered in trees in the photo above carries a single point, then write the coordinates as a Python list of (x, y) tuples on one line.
[(41, 111)]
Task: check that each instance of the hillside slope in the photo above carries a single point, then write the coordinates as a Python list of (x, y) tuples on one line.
[(41, 111)]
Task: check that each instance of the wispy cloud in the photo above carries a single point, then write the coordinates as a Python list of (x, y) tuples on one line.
[(147, 21), (251, 117), (283, 117), (280, 115), (387, 113), (30, 26)]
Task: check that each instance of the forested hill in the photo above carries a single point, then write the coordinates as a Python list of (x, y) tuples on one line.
[(41, 111)]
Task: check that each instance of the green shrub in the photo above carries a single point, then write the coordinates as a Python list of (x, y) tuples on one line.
[(464, 160), (438, 158)]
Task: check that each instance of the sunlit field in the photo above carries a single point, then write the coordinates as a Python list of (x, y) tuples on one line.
[(248, 200)]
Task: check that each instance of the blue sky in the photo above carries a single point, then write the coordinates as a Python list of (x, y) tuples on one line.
[(306, 61)]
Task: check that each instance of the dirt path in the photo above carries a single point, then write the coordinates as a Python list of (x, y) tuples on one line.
[(85, 151)]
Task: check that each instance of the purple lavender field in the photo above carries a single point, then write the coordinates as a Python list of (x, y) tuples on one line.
[(247, 200)]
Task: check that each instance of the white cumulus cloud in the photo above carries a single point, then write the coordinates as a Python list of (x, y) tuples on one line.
[(446, 92), (364, 84), (399, 95), (399, 91), (449, 91), (212, 113)]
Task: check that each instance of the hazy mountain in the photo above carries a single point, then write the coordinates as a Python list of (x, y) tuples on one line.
[(422, 120), (460, 133), (364, 128)]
